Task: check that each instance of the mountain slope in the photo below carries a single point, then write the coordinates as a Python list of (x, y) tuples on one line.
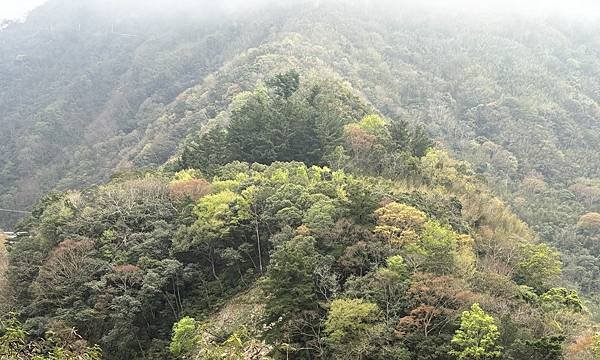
[(79, 87), (298, 222), (516, 98), (88, 89)]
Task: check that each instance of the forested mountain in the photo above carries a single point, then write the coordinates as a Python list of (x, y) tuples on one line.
[(263, 183), (358, 240), (87, 91)]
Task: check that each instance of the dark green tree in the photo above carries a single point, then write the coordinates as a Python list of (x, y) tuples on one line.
[(209, 151), (286, 84)]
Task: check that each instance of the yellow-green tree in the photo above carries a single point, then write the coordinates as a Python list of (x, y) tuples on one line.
[(477, 337), (184, 335), (399, 223), (538, 266), (351, 326)]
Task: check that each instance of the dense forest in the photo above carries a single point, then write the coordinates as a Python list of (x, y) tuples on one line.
[(88, 89), (359, 240), (314, 179)]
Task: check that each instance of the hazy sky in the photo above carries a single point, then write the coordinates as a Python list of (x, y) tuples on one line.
[(14, 9)]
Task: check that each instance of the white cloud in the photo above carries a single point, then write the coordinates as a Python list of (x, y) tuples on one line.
[(16, 9)]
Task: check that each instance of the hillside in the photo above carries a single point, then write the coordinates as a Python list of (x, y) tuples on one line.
[(81, 82), (360, 240), (310, 179), (86, 94)]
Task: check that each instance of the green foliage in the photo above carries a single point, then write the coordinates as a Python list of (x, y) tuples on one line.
[(379, 146), (208, 152), (282, 122), (351, 326), (290, 278), (534, 143), (538, 267), (183, 339), (219, 213), (559, 298), (308, 237), (186, 175), (321, 216), (397, 265), (293, 121), (422, 242), (17, 344), (285, 85), (546, 348), (13, 338), (419, 244), (374, 125), (349, 319), (476, 339), (437, 245)]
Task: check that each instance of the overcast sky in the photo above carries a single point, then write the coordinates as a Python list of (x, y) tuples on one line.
[(14, 9)]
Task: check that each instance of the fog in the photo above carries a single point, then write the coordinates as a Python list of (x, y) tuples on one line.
[(535, 8), (574, 9), (525, 7), (16, 9)]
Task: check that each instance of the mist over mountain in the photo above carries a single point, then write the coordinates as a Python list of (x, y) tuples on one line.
[(401, 162)]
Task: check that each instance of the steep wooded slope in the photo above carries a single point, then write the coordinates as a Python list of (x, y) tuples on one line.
[(518, 98), (374, 255)]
